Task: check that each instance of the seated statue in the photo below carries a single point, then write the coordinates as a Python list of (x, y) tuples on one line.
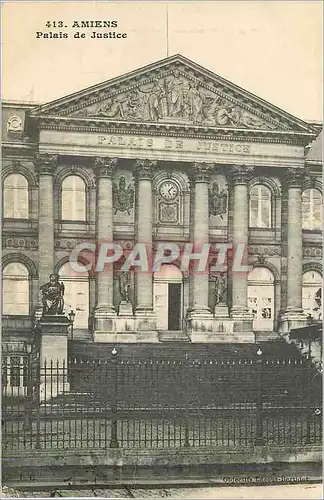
[(52, 299)]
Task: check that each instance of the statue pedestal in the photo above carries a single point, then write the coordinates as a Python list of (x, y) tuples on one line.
[(53, 355), (221, 311), (125, 308)]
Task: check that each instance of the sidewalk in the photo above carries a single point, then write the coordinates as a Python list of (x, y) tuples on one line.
[(293, 491)]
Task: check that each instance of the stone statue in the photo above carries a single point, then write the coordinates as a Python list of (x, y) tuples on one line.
[(124, 286), (220, 290), (52, 296)]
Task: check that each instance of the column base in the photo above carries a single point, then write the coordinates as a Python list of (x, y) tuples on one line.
[(292, 318), (210, 329), (104, 319), (243, 320), (145, 320)]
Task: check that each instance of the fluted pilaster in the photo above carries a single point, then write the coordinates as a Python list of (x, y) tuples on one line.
[(199, 279), (294, 240), (104, 168), (143, 170), (45, 165), (239, 178)]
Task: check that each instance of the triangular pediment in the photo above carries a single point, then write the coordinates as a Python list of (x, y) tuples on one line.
[(174, 91)]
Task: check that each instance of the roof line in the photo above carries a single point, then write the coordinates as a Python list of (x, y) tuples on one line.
[(197, 66)]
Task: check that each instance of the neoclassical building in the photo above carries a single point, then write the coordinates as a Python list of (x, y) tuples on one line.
[(168, 153)]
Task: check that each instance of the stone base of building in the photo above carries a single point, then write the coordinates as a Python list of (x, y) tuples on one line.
[(207, 328), (128, 327), (122, 337), (201, 326), (222, 338), (290, 320)]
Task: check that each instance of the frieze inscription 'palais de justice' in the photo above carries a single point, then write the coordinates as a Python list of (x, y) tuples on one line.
[(168, 153)]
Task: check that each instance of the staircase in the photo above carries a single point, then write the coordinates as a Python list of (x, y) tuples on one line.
[(178, 350), (181, 373)]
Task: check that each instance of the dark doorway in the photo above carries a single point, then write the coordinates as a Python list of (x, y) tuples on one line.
[(174, 306)]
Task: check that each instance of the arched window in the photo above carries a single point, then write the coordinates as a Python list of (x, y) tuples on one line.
[(15, 197), (260, 206), (312, 293), (15, 291), (312, 209), (76, 294), (73, 198)]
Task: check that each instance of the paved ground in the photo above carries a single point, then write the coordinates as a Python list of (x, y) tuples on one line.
[(293, 491)]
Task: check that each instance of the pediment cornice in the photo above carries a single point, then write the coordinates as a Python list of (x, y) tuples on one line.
[(174, 94)]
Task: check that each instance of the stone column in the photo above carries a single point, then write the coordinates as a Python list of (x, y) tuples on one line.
[(294, 316), (45, 165), (199, 279), (240, 176), (143, 235), (104, 310)]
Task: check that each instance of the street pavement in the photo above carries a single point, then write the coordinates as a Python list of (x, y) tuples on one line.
[(286, 492)]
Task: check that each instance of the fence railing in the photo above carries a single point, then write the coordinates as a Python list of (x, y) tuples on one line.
[(156, 403)]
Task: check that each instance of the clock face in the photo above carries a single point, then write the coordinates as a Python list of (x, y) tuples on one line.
[(168, 190)]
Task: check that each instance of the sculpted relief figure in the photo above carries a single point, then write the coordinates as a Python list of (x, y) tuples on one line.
[(155, 101), (52, 296), (195, 102), (123, 196), (127, 107), (177, 96)]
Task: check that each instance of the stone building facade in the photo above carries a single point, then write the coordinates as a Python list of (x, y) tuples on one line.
[(168, 153)]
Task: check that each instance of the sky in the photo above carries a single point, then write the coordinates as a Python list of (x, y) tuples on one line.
[(271, 48)]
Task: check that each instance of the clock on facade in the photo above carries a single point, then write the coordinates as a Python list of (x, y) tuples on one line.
[(168, 190)]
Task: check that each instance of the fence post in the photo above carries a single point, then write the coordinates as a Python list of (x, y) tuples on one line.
[(309, 400), (37, 404), (114, 424), (29, 406), (187, 373), (259, 441)]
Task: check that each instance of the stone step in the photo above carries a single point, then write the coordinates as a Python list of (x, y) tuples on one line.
[(173, 336)]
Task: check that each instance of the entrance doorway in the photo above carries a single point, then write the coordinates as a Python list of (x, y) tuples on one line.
[(261, 298), (168, 298)]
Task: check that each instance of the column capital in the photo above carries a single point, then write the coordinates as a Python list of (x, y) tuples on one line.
[(294, 177), (240, 174), (104, 166), (143, 169), (200, 172), (45, 163)]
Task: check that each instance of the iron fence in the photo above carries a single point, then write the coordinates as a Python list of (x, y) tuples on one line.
[(158, 403)]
